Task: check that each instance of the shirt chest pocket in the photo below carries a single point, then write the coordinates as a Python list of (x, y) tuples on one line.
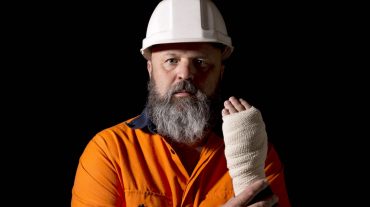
[(136, 198)]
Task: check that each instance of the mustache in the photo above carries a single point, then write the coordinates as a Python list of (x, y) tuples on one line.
[(184, 86)]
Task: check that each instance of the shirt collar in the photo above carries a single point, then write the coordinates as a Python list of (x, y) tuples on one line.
[(143, 122)]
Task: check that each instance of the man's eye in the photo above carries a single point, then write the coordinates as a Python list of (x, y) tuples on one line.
[(172, 61), (201, 63)]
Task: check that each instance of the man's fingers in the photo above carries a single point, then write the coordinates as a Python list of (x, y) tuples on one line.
[(236, 103), (225, 112), (245, 197), (248, 194), (266, 203), (230, 107), (245, 103)]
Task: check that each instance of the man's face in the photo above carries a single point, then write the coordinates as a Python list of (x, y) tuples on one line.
[(200, 63), (183, 85)]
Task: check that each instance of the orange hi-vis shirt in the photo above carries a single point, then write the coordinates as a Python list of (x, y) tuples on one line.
[(127, 166)]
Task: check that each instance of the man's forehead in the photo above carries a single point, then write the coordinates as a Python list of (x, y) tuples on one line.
[(191, 49)]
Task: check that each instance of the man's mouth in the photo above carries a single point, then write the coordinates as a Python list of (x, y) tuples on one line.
[(182, 93)]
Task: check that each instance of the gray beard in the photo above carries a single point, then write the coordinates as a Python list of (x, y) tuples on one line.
[(184, 120)]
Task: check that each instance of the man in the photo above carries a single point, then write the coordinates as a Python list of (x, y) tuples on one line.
[(172, 154)]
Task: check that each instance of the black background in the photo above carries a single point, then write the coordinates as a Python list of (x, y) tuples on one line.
[(73, 69)]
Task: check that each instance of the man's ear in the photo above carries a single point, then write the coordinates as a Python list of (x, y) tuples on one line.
[(149, 67)]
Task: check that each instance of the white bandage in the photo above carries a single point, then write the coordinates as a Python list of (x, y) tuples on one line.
[(245, 140)]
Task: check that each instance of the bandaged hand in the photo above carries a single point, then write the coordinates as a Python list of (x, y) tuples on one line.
[(245, 140)]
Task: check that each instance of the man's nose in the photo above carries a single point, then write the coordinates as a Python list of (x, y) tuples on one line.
[(186, 70)]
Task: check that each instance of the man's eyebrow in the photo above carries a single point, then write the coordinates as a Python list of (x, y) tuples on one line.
[(170, 53), (202, 55)]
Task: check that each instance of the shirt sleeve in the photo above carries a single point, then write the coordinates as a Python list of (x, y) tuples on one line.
[(96, 181)]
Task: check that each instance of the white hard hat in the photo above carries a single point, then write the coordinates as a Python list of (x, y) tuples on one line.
[(176, 21)]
